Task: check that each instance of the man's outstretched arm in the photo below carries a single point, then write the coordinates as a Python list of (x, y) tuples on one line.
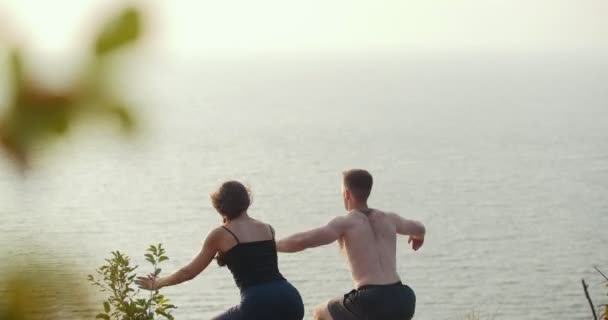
[(412, 228), (312, 238)]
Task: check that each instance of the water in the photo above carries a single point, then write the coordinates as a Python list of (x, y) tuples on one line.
[(504, 159)]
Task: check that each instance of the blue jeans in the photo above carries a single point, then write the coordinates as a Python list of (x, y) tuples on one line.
[(276, 300)]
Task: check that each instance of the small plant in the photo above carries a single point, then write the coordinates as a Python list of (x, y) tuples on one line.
[(117, 278), (472, 316), (595, 312), (605, 314), (475, 315)]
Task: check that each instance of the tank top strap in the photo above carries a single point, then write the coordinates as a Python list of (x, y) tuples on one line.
[(235, 238)]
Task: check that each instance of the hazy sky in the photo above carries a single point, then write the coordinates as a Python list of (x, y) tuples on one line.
[(196, 27)]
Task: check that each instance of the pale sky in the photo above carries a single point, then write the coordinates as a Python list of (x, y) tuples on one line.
[(198, 27)]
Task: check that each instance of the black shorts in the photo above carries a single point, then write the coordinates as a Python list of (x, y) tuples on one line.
[(382, 302)]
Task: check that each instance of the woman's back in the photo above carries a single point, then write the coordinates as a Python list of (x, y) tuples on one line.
[(248, 229), (248, 249), (252, 261)]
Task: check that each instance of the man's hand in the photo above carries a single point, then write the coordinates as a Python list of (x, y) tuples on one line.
[(416, 243)]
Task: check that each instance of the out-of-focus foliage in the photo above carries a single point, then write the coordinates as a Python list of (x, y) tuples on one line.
[(120, 31), (116, 278), (36, 115), (31, 292)]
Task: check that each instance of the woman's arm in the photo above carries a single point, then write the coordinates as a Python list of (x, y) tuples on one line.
[(188, 272)]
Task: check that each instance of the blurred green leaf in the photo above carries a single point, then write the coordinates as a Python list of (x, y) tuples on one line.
[(119, 31), (17, 75), (37, 115), (106, 306), (30, 291), (119, 110), (102, 316)]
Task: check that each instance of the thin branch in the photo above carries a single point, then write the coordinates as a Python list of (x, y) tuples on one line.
[(598, 270), (589, 299), (601, 282)]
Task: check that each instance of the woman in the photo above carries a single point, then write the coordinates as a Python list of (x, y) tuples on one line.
[(247, 246)]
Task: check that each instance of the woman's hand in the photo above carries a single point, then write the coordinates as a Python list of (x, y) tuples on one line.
[(147, 283)]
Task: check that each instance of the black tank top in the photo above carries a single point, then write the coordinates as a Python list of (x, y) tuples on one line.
[(252, 263)]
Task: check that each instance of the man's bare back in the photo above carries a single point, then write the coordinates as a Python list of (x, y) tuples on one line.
[(369, 242), (368, 238)]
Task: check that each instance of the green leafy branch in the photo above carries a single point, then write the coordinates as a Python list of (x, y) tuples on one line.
[(116, 278)]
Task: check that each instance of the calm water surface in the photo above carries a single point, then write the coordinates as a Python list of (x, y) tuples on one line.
[(505, 161)]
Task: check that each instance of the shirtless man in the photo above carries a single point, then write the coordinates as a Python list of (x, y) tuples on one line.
[(368, 238)]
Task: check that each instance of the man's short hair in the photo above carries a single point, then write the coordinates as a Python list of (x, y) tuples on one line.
[(359, 183)]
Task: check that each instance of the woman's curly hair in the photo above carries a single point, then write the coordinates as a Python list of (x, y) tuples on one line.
[(231, 199)]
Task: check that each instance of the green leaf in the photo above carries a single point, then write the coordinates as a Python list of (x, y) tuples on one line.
[(125, 117), (163, 258), (119, 31), (152, 248), (106, 307), (157, 271), (150, 258), (102, 316), (17, 77), (164, 314)]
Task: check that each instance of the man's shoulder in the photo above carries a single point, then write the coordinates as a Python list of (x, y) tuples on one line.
[(343, 222), (339, 219)]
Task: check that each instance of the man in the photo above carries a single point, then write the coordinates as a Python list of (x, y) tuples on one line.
[(368, 238)]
